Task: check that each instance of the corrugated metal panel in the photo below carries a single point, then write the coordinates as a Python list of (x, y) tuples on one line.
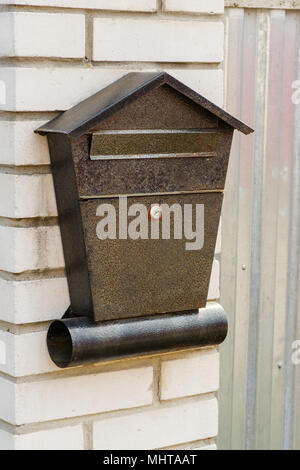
[(260, 386)]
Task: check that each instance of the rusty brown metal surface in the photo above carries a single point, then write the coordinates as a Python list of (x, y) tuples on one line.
[(143, 176), (133, 278), (161, 108), (70, 225), (81, 118), (143, 144), (153, 144)]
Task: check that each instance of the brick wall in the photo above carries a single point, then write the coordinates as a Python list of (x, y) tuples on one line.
[(53, 54)]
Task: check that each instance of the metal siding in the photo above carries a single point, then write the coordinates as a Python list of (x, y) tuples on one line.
[(260, 387), (229, 243)]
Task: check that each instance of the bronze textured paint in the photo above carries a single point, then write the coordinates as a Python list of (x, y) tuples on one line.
[(148, 114), (134, 278), (153, 144), (161, 108), (70, 225), (142, 176)]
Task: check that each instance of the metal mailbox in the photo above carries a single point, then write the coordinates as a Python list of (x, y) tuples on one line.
[(139, 173)]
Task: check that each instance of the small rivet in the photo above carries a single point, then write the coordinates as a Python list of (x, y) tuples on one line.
[(279, 365), (244, 267), (155, 212)]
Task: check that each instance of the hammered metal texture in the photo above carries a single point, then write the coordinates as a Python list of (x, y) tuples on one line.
[(144, 176), (155, 144), (77, 341), (162, 108), (134, 278), (70, 225)]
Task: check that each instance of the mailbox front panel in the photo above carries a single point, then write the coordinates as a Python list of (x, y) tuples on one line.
[(164, 174), (133, 278), (161, 143)]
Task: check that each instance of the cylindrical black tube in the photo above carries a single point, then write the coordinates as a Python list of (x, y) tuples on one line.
[(79, 340)]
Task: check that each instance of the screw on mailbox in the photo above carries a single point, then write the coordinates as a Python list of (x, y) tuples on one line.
[(155, 212)]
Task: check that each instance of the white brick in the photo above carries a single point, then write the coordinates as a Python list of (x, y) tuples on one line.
[(158, 428), (7, 356), (6, 441), (60, 398), (120, 5), (195, 374), (6, 33), (3, 353), (67, 438), (50, 88), (21, 146), (33, 301), (3, 93), (208, 83), (28, 34), (157, 40), (214, 285), (7, 402), (194, 6), (26, 354), (32, 248), (28, 196)]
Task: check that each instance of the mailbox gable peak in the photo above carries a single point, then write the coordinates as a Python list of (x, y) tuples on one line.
[(88, 114)]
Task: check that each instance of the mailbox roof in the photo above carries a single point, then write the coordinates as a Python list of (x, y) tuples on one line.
[(83, 117)]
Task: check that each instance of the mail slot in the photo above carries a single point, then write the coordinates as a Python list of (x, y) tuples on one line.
[(139, 172), (153, 144)]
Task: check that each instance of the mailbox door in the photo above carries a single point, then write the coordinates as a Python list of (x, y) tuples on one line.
[(138, 277)]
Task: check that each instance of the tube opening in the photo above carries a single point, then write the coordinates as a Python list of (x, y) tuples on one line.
[(59, 344)]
